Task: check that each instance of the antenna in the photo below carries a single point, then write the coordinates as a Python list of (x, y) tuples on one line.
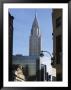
[(35, 13)]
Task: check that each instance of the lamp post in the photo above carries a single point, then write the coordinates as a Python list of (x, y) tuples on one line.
[(41, 54), (52, 58)]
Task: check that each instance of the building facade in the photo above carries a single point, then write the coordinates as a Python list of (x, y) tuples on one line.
[(29, 64), (57, 42), (10, 18)]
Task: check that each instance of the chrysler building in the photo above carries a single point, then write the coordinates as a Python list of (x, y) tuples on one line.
[(35, 39)]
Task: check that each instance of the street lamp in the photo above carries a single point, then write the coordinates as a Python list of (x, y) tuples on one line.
[(41, 54), (52, 58)]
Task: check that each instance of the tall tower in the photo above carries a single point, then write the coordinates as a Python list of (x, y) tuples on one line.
[(35, 39)]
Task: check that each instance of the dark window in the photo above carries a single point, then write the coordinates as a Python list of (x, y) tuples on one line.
[(58, 60), (58, 44), (58, 48), (53, 78), (59, 77), (49, 78), (58, 21)]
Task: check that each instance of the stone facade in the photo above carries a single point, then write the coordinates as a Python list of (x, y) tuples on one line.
[(57, 42)]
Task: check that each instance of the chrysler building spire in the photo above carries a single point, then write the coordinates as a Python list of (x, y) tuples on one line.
[(35, 27), (35, 39)]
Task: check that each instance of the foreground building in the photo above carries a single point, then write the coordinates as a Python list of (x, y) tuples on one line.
[(28, 62), (10, 18), (57, 42)]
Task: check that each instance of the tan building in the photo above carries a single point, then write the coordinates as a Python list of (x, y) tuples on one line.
[(19, 75), (57, 42)]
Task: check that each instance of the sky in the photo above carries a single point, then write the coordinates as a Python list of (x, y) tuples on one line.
[(23, 19)]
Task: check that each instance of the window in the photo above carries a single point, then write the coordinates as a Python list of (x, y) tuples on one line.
[(58, 61), (58, 49), (58, 22), (59, 43), (59, 77), (53, 78)]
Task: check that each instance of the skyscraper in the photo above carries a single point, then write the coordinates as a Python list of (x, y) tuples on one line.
[(35, 39)]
